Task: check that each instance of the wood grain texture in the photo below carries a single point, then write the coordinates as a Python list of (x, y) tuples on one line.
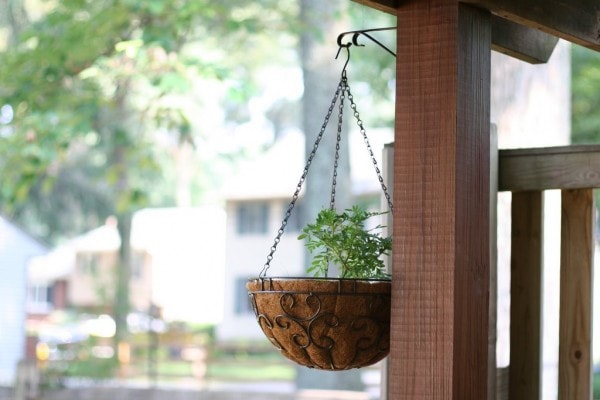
[(441, 193), (493, 290), (577, 21), (472, 194), (524, 43), (388, 6), (516, 40), (576, 273), (565, 167), (526, 296)]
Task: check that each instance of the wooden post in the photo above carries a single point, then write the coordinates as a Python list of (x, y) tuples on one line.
[(526, 296), (493, 290), (27, 385), (441, 256), (576, 280)]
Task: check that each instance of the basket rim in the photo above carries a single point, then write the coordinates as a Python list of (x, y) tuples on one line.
[(341, 286), (317, 293), (320, 278)]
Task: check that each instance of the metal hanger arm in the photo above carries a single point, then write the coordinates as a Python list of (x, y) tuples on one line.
[(365, 32)]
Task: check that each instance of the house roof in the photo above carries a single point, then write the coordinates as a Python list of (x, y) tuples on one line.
[(54, 265), (155, 229), (10, 231), (152, 230), (59, 262), (276, 172), (16, 248)]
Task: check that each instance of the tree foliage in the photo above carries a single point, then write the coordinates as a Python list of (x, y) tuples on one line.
[(585, 95), (95, 96), (91, 91)]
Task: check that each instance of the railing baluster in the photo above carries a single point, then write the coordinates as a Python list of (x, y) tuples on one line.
[(576, 280), (526, 296)]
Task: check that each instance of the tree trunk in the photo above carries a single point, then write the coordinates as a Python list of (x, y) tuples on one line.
[(117, 129), (13, 16), (321, 75), (121, 308)]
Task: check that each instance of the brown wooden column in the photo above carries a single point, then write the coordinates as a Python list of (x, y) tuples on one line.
[(576, 286), (441, 251), (526, 261)]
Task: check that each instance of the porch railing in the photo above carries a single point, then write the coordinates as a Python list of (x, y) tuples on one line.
[(575, 171)]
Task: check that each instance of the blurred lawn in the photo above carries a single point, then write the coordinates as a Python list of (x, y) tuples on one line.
[(246, 372), (229, 370)]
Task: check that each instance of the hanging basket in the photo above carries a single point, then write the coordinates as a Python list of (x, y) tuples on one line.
[(325, 323)]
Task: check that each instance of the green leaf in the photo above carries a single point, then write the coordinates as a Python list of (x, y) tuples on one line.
[(342, 239)]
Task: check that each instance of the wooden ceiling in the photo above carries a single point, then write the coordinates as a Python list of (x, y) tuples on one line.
[(526, 29)]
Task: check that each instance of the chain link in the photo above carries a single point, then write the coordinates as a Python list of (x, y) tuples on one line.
[(344, 83), (288, 212), (369, 149), (342, 90)]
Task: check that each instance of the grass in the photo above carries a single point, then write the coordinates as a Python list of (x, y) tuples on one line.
[(248, 372), (174, 368), (236, 362), (224, 364), (597, 386)]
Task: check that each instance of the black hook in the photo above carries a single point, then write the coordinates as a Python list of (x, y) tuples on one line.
[(347, 47), (355, 36)]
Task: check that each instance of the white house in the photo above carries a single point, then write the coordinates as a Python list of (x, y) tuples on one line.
[(81, 273), (16, 249), (177, 265), (187, 245), (256, 201)]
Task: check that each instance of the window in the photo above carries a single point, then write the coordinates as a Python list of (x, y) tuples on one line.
[(242, 301), (252, 218), (88, 263), (295, 221), (137, 264), (40, 298)]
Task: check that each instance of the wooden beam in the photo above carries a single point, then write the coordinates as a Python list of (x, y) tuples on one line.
[(388, 6), (441, 255), (526, 296), (576, 280), (526, 44), (565, 167), (519, 41), (577, 21)]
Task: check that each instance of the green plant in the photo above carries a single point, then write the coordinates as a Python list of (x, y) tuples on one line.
[(342, 239)]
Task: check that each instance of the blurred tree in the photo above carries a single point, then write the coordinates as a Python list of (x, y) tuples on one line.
[(98, 97), (81, 62), (90, 91), (371, 72), (323, 22), (585, 75), (585, 98)]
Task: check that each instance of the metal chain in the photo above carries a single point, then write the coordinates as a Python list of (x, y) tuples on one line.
[(370, 150), (288, 212), (340, 92), (344, 83)]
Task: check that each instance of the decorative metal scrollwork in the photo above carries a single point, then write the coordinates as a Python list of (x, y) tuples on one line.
[(330, 331)]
